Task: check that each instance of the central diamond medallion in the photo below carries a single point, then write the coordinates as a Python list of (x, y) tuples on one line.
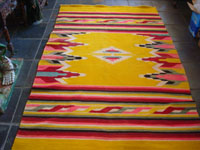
[(112, 55)]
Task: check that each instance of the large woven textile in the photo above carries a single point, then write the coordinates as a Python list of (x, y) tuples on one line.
[(109, 79)]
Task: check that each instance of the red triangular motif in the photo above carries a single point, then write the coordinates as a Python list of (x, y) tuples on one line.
[(110, 58), (112, 50)]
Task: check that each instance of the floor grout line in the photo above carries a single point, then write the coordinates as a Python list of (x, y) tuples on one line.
[(6, 139)]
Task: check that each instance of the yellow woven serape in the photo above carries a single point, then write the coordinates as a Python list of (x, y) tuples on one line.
[(109, 79)]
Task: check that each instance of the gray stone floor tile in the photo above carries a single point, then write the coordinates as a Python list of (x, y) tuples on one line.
[(193, 74), (92, 2), (21, 105), (108, 2), (51, 4), (172, 18), (31, 74), (11, 138), (54, 15), (59, 2), (120, 2), (46, 14), (41, 49), (196, 94), (23, 73), (3, 133), (49, 29), (164, 5), (25, 48), (140, 3), (179, 33), (188, 52), (31, 31)]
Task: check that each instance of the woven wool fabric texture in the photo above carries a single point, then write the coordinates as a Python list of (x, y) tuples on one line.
[(109, 79)]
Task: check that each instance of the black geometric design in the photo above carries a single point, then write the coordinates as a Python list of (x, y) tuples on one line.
[(152, 46), (66, 57), (155, 77), (63, 57), (67, 34)]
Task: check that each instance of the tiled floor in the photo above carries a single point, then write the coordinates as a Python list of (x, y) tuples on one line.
[(29, 43)]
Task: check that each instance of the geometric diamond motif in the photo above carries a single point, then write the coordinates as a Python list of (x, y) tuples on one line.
[(112, 55)]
